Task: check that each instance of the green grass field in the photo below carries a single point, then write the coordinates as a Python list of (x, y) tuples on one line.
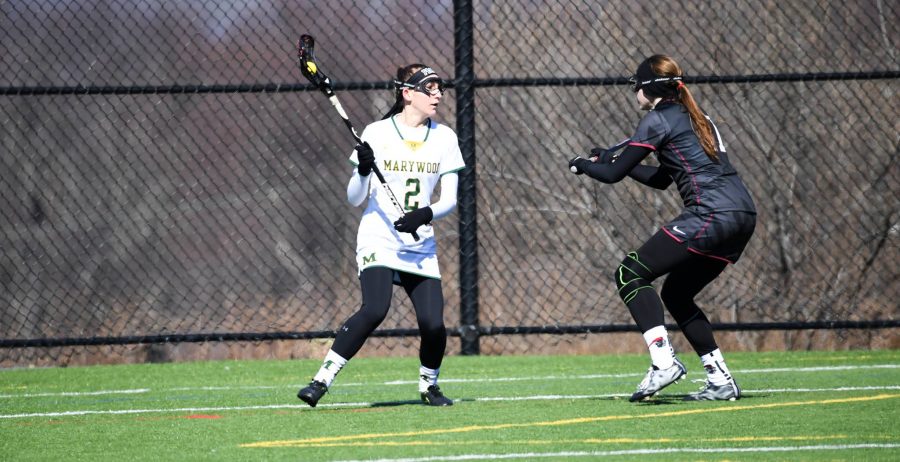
[(797, 406)]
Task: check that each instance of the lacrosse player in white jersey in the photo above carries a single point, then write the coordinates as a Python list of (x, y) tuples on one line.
[(414, 153)]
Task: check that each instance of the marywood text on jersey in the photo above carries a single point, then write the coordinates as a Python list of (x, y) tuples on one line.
[(411, 166)]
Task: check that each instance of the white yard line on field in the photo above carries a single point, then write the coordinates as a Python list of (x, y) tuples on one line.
[(628, 452), (79, 393), (443, 380), (640, 374), (364, 405)]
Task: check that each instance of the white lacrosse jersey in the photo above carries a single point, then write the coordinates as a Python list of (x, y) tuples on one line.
[(412, 161)]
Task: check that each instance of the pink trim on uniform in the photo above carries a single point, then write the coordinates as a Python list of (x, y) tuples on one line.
[(687, 168), (709, 256), (695, 250), (705, 225), (672, 235), (649, 146)]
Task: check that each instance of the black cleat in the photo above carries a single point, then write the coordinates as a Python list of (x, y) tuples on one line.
[(434, 397), (312, 393)]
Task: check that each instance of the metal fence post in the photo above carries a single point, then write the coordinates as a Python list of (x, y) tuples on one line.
[(465, 127)]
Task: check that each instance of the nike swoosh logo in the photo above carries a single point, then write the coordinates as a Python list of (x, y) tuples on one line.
[(675, 228)]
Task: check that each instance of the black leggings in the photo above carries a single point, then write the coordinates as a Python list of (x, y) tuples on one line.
[(377, 288), (688, 274)]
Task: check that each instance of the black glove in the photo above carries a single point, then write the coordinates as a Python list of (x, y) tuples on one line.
[(366, 158), (576, 165), (411, 221), (604, 156)]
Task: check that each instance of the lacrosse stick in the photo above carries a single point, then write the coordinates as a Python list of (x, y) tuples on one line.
[(310, 69)]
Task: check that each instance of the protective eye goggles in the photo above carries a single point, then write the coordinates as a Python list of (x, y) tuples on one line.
[(424, 81), (429, 87), (636, 84)]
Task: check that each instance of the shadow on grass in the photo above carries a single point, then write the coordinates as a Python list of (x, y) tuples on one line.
[(409, 402), (660, 400), (388, 404)]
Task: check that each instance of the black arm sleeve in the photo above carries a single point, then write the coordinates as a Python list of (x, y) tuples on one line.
[(616, 171), (654, 177)]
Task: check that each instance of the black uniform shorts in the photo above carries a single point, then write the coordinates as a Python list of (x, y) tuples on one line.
[(719, 235)]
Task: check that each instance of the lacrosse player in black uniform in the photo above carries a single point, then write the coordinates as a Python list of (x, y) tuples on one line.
[(692, 249)]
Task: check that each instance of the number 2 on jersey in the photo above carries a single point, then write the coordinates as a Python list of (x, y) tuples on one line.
[(413, 187)]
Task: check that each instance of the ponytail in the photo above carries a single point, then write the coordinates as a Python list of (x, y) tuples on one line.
[(702, 127), (396, 108), (398, 98)]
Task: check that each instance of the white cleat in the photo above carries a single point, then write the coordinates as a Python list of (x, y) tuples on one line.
[(728, 392), (657, 379)]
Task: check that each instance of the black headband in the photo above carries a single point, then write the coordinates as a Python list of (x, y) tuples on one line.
[(425, 74), (652, 84)]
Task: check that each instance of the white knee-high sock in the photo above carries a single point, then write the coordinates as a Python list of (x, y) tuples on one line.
[(661, 353), (330, 367), (716, 371), (427, 378)]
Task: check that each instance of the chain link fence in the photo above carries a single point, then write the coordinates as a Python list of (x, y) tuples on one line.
[(169, 179)]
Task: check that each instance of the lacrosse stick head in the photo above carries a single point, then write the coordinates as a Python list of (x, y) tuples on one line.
[(308, 65)]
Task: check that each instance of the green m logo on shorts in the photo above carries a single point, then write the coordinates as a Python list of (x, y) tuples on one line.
[(369, 259)]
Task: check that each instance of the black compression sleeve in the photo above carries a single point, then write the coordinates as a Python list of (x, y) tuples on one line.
[(651, 176), (614, 172)]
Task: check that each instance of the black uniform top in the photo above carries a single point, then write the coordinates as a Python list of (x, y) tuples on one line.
[(705, 185)]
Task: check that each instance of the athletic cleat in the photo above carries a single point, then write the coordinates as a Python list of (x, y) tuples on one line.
[(434, 397), (657, 379), (312, 393), (728, 392)]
